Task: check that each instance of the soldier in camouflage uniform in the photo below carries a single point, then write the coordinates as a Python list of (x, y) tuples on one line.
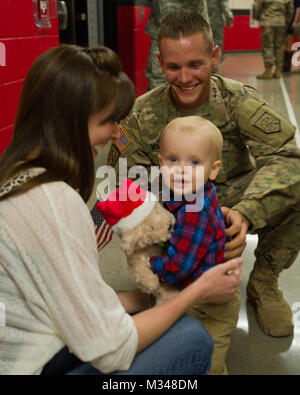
[(219, 13), (274, 17), (259, 182), (159, 10)]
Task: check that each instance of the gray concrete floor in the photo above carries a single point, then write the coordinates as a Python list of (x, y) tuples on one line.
[(251, 352)]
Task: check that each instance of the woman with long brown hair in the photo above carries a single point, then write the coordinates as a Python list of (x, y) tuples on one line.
[(61, 317)]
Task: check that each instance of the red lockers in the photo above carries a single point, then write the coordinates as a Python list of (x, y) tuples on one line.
[(133, 42), (21, 41)]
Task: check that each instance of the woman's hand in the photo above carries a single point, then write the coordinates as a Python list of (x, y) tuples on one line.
[(215, 284), (236, 229), (221, 281)]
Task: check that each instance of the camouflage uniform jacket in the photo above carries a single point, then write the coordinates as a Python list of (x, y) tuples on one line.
[(273, 13), (219, 10), (161, 8), (250, 129)]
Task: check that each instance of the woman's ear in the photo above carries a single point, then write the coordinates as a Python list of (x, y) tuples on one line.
[(214, 170)]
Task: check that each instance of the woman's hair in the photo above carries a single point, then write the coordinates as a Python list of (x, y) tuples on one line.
[(64, 87), (185, 23)]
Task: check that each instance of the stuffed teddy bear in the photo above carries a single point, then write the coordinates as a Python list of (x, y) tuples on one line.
[(142, 224)]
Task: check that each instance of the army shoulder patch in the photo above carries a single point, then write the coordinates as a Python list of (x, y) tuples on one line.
[(123, 140), (268, 123)]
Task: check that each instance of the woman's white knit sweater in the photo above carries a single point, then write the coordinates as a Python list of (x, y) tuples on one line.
[(51, 286)]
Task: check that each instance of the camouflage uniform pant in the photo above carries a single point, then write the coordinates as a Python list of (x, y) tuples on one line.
[(272, 42), (154, 73), (218, 33), (279, 242)]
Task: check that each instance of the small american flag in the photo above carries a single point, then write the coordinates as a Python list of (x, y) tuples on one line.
[(123, 140), (103, 231)]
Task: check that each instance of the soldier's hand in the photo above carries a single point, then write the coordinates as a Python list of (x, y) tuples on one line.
[(236, 230)]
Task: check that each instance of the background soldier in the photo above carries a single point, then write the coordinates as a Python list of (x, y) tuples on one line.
[(219, 13), (273, 16)]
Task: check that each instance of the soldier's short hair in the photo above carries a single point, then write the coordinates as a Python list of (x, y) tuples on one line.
[(184, 23)]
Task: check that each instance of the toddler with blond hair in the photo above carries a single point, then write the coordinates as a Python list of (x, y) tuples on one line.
[(190, 159)]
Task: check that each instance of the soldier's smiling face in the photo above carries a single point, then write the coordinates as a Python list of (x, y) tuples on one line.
[(187, 64)]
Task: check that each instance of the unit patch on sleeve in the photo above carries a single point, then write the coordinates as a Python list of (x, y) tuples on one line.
[(123, 140), (268, 123)]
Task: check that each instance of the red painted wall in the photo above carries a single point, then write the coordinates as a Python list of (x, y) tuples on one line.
[(23, 42), (241, 37)]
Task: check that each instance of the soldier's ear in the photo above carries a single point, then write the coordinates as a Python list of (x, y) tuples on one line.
[(215, 57)]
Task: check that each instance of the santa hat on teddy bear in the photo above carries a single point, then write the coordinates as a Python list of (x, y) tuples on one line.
[(127, 206)]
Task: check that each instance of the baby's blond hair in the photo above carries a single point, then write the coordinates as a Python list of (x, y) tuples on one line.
[(197, 124)]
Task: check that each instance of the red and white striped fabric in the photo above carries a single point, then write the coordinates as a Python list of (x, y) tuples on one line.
[(103, 231)]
